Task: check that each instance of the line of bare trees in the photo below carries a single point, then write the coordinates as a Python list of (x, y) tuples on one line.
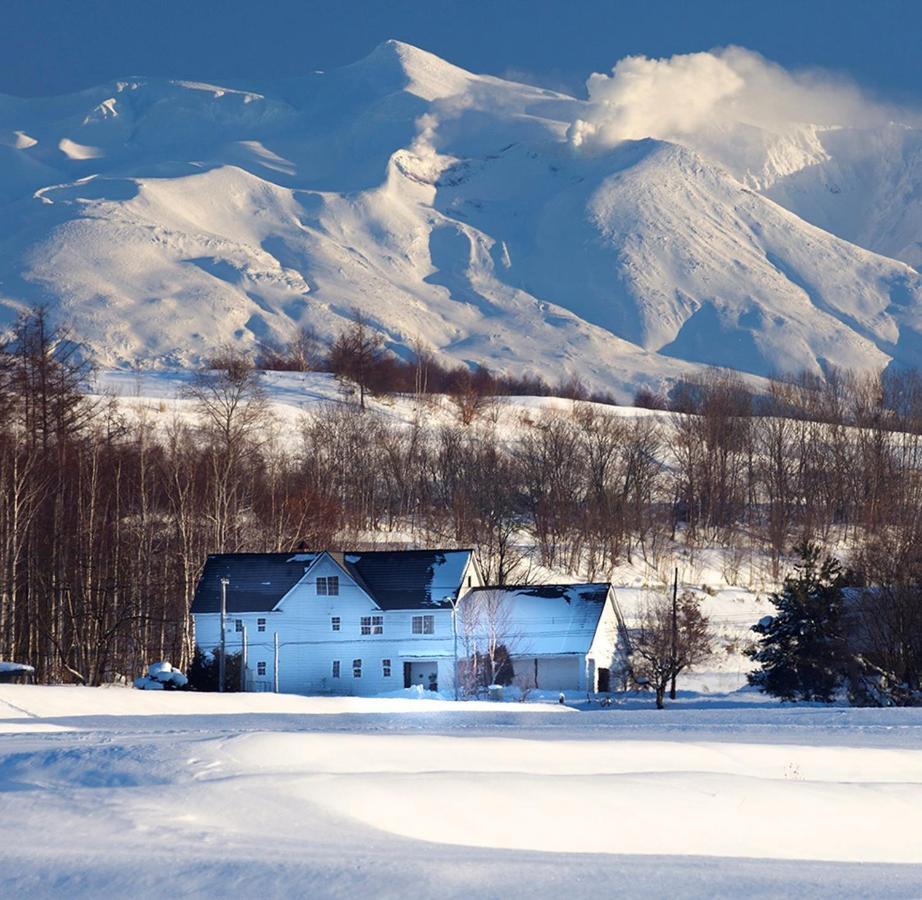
[(359, 354), (107, 515)]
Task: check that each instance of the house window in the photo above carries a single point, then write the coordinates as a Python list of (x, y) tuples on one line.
[(356, 668), (423, 624), (328, 586), (335, 623), (336, 668), (238, 625), (386, 668), (372, 624), (468, 580), (260, 668), (260, 624)]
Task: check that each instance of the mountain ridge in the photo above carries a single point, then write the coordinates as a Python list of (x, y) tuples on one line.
[(172, 216)]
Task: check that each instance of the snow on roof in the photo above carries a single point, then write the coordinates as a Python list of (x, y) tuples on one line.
[(16, 667), (425, 654), (548, 619), (410, 579)]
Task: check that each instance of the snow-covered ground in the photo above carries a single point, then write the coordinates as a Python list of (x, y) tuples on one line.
[(158, 396), (109, 792)]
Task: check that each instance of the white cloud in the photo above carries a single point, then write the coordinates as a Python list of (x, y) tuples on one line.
[(679, 97)]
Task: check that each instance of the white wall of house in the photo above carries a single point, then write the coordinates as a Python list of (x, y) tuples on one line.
[(606, 650), (310, 642)]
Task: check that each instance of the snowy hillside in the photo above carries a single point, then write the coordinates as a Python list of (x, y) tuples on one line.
[(495, 222)]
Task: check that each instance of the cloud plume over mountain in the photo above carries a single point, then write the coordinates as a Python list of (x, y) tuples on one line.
[(674, 99)]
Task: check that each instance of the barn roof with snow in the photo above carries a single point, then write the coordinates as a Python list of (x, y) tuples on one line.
[(394, 579), (548, 619)]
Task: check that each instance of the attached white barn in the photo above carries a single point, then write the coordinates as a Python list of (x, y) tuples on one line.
[(560, 637), (371, 622)]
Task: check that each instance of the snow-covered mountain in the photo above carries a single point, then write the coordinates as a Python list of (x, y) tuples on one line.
[(164, 218)]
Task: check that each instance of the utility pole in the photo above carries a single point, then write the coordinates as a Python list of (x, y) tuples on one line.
[(243, 659), (675, 630), (225, 581), (454, 632), (275, 665)]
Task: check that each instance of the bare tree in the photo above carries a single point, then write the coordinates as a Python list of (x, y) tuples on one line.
[(489, 637), (356, 353), (303, 353), (663, 648), (234, 411)]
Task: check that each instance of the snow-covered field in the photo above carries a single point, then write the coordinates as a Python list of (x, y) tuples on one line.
[(113, 792)]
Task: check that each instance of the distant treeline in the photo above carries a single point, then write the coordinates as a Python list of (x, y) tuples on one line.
[(107, 517), (358, 353)]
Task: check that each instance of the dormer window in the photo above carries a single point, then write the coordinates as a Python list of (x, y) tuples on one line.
[(328, 586)]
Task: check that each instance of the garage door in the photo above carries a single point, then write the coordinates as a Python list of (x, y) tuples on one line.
[(558, 673)]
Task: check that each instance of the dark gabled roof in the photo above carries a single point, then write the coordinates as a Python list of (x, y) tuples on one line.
[(257, 580), (394, 579), (410, 579)]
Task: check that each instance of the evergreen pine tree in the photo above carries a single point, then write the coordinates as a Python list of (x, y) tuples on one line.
[(802, 649)]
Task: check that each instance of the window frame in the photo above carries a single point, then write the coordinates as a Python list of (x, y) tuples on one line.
[(261, 624), (371, 625), (356, 668), (238, 626), (426, 624), (336, 623), (261, 668), (327, 585), (386, 668), (336, 669)]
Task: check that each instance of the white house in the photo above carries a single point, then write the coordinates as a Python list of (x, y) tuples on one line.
[(368, 622)]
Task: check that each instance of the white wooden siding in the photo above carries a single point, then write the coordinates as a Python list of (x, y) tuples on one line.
[(308, 645), (606, 651)]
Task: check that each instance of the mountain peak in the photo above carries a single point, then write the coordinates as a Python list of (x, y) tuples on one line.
[(422, 73)]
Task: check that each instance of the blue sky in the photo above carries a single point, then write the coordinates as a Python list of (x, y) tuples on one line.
[(50, 46)]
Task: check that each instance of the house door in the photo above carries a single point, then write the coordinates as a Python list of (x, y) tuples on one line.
[(604, 681), (407, 675)]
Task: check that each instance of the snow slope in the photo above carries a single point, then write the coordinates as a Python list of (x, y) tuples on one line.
[(167, 217), (276, 796)]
